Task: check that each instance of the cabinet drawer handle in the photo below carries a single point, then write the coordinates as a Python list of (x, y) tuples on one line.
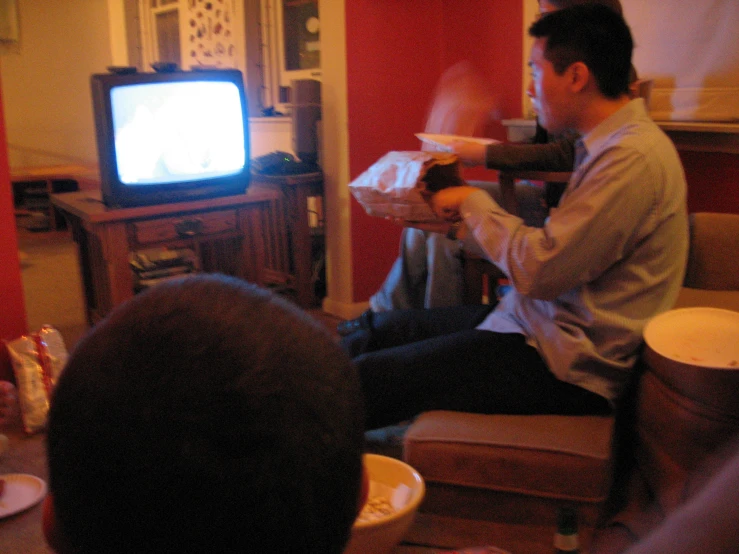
[(189, 227)]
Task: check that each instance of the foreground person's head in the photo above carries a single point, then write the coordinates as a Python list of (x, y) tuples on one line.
[(548, 6), (205, 415)]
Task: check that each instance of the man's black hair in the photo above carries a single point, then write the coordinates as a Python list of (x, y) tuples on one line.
[(206, 415), (615, 5), (594, 35)]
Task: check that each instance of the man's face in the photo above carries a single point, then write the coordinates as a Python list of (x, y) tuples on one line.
[(548, 91)]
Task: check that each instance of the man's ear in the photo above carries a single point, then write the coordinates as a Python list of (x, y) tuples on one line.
[(579, 76), (52, 530)]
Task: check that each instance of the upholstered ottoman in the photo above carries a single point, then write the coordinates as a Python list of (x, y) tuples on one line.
[(511, 468)]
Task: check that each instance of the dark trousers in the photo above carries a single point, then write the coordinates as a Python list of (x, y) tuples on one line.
[(412, 361)]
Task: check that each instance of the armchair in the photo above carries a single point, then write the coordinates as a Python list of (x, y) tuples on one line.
[(519, 469)]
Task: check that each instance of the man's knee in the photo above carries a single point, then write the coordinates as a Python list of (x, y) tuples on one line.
[(413, 240)]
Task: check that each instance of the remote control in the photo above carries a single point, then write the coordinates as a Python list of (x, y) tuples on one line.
[(122, 69), (164, 67)]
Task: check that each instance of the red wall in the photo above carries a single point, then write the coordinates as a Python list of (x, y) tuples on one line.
[(396, 52), (392, 64), (12, 307)]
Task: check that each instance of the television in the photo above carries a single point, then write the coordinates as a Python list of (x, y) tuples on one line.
[(170, 136)]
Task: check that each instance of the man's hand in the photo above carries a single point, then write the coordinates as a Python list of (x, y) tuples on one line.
[(447, 201), (463, 103)]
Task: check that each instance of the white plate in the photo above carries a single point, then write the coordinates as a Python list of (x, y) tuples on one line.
[(704, 337), (21, 492), (443, 141)]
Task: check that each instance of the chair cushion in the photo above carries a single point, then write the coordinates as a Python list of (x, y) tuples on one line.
[(714, 242), (566, 457)]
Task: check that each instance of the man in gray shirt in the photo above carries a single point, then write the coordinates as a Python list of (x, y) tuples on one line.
[(428, 272), (609, 257)]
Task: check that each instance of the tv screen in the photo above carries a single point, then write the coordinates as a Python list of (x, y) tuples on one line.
[(170, 137)]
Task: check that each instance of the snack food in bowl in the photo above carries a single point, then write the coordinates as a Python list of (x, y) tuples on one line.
[(395, 492)]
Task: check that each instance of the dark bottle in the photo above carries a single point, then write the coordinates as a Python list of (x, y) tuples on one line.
[(566, 540)]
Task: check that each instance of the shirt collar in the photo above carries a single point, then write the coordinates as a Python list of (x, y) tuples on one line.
[(597, 137)]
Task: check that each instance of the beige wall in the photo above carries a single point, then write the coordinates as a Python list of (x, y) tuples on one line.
[(46, 91), (335, 160)]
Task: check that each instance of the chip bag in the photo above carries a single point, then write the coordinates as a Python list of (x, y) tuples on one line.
[(37, 359), (399, 184)]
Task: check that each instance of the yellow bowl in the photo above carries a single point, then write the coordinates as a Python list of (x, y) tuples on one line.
[(695, 351), (380, 536), (698, 337)]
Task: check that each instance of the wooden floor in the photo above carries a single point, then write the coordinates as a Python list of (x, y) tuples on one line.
[(330, 321), (430, 533)]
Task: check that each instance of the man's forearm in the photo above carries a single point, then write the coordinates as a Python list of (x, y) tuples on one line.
[(558, 155)]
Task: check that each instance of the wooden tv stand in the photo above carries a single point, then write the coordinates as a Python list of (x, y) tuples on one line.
[(226, 235)]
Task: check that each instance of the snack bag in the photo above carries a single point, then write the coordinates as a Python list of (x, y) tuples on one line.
[(37, 360), (398, 184)]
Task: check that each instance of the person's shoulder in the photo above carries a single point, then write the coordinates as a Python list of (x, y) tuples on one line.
[(646, 137), (638, 131)]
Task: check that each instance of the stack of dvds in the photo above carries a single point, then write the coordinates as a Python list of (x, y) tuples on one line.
[(160, 264)]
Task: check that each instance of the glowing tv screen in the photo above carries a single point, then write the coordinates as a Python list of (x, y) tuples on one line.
[(168, 137)]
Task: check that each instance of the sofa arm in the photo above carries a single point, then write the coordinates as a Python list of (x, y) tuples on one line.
[(714, 243), (725, 299)]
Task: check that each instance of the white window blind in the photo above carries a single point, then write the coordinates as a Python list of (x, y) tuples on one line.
[(691, 52)]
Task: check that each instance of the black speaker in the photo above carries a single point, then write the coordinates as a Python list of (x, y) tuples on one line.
[(306, 113)]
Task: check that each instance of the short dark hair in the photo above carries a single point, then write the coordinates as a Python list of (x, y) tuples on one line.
[(615, 5), (206, 415), (592, 34)]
